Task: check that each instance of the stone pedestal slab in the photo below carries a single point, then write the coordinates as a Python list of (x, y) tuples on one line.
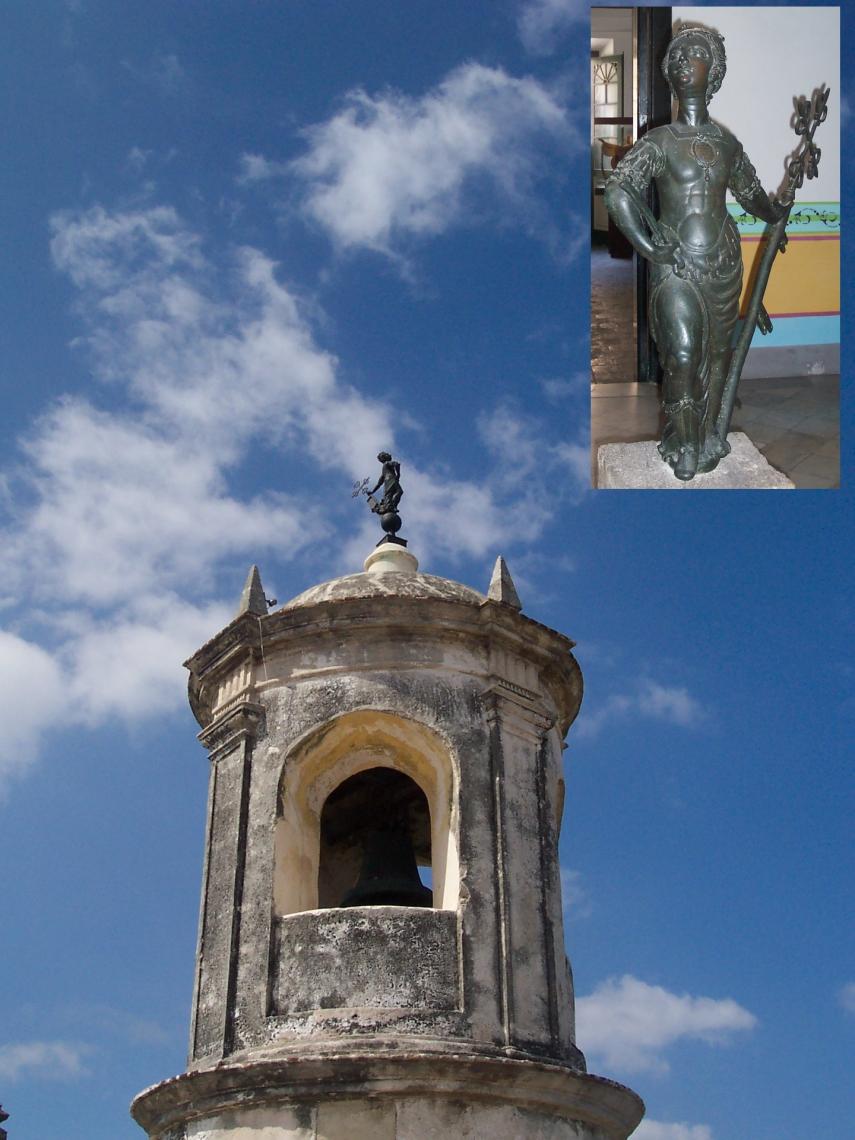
[(632, 466)]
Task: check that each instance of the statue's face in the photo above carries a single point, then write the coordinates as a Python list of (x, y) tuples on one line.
[(689, 65)]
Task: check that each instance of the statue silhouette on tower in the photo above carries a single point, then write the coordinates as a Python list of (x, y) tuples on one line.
[(387, 506)]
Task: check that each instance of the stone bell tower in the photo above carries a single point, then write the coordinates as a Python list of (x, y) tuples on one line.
[(381, 950)]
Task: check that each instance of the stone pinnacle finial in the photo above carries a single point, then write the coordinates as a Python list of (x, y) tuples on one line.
[(252, 600), (502, 588)]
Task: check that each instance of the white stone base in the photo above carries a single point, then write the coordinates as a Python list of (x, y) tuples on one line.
[(389, 557), (639, 465), (402, 1118)]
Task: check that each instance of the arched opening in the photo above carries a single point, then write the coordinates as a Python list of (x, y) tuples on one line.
[(363, 767), (375, 832)]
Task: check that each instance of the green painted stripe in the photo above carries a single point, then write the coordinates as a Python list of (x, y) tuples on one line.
[(813, 218)]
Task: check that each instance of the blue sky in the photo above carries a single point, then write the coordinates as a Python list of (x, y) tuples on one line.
[(247, 246)]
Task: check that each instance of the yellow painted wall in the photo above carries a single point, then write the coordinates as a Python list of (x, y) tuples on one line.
[(804, 279)]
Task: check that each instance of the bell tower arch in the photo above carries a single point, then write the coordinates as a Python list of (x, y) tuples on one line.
[(334, 754)]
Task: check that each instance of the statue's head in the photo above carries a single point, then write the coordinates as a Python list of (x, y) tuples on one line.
[(384, 457), (695, 55)]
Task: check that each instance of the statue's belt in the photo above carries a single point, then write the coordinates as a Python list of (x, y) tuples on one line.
[(719, 260)]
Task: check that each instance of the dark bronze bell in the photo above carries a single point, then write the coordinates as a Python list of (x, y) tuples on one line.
[(389, 875)]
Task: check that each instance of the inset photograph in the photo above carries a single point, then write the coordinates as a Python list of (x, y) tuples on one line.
[(715, 248)]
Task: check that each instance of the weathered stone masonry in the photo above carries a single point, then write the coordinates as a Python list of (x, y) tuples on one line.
[(385, 1021)]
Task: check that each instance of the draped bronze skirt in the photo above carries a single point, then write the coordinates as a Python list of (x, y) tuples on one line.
[(713, 278)]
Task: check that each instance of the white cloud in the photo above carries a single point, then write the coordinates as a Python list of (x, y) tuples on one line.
[(522, 449), (573, 893), (123, 515), (50, 1060), (558, 388), (137, 158), (131, 667), (542, 23), (219, 368), (31, 698), (657, 1130), (121, 502), (847, 997), (257, 168), (672, 704), (391, 165), (526, 459), (575, 455), (669, 702), (104, 249), (629, 1024)]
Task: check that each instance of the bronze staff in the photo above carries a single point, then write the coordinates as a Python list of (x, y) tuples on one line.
[(805, 164)]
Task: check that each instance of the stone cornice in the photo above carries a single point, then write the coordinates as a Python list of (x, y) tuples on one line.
[(249, 629), (487, 622), (236, 723), (238, 634), (359, 1071), (518, 710)]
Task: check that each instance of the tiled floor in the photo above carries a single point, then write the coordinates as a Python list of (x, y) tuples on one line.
[(794, 422)]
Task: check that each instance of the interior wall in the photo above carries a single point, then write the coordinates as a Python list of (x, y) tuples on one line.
[(774, 54)]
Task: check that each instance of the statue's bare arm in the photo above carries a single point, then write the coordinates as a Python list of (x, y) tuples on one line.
[(625, 201)]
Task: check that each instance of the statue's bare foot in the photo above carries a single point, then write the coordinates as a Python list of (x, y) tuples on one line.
[(687, 463)]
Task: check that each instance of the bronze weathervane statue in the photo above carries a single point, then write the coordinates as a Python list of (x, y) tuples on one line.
[(693, 246), (387, 507)]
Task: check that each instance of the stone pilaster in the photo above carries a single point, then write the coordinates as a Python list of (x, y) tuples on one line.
[(535, 982), (230, 740)]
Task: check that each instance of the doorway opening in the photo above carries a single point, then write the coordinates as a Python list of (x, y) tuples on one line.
[(629, 95)]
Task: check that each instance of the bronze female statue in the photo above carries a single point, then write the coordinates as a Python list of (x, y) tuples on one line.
[(387, 507), (390, 480), (693, 247)]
